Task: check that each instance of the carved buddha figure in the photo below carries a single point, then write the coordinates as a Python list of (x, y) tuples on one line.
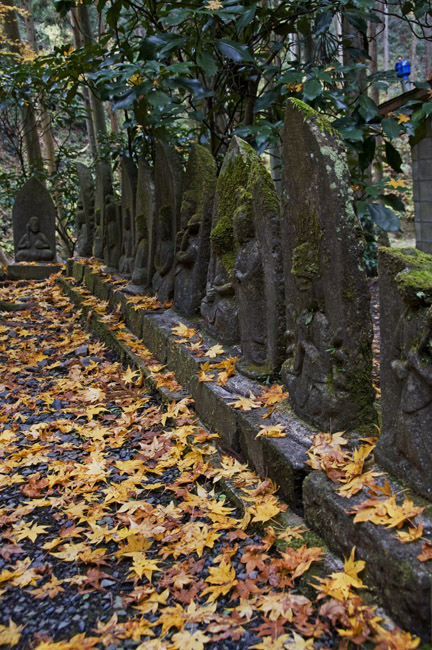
[(34, 245)]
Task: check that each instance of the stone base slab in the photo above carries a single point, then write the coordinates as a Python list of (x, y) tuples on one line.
[(31, 271)]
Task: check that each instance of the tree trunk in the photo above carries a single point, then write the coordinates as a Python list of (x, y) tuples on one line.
[(413, 54), (28, 117), (374, 91), (86, 95), (428, 53), (45, 119), (4, 260), (98, 112)]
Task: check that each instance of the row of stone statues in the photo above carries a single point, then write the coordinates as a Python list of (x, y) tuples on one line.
[(283, 279)]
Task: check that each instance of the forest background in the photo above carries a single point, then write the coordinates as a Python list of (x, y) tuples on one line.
[(87, 81)]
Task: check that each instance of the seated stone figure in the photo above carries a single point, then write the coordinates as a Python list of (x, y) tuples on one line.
[(34, 245)]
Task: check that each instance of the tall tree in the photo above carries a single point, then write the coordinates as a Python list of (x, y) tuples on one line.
[(28, 114)]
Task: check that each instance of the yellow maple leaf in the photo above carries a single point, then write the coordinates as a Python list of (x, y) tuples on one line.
[(130, 375), (272, 395), (402, 118), (183, 331), (27, 531), (95, 410), (268, 643), (214, 351), (267, 509), (214, 5), (412, 535), (246, 403), (189, 640), (221, 579), (272, 431), (395, 183), (10, 634), (142, 565)]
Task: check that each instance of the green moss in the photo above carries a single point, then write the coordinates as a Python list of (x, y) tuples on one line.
[(202, 175), (412, 271), (222, 236), (228, 261), (306, 261), (322, 122)]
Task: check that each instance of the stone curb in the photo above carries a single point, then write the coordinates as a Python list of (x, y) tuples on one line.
[(403, 584)]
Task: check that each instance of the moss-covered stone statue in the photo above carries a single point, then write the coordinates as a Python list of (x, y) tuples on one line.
[(329, 328), (129, 177), (193, 254), (168, 177), (244, 297), (112, 247), (103, 188), (405, 445), (143, 265), (85, 211)]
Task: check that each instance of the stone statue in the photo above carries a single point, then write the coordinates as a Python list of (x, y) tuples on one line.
[(193, 253), (85, 211), (34, 245), (244, 295), (163, 280), (143, 264), (33, 217), (329, 328), (113, 233), (405, 445), (81, 226), (103, 189), (129, 191), (168, 178)]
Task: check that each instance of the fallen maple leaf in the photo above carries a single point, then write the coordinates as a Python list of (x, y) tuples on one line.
[(189, 640), (412, 535), (129, 376), (272, 431), (11, 634), (184, 332), (246, 403), (426, 553), (222, 579), (214, 351), (267, 509)]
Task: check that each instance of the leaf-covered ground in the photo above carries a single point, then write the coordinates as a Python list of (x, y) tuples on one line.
[(114, 531)]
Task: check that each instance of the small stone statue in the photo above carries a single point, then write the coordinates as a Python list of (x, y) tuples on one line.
[(81, 227), (112, 243), (34, 245), (163, 279)]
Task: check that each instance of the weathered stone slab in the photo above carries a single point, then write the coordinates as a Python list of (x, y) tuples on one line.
[(31, 271), (168, 176), (129, 176), (103, 190), (193, 254), (329, 328), (143, 265), (85, 211), (403, 583), (405, 444), (33, 217)]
